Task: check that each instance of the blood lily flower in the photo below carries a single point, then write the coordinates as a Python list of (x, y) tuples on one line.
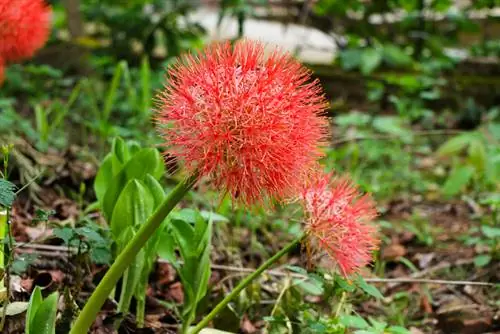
[(249, 121), (338, 220), (24, 28)]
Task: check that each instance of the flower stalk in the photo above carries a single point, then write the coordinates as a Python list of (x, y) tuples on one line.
[(245, 282), (87, 316)]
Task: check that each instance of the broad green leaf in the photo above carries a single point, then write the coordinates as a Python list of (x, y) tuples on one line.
[(494, 130), (396, 56), (119, 153), (155, 189), (103, 178), (166, 248), (132, 208), (392, 125), (491, 232), (350, 59), (213, 216), (44, 321), (184, 236), (146, 161), (477, 154), (457, 180), (34, 304), (371, 58), (346, 286), (312, 287), (368, 288), (493, 169), (133, 147), (353, 321), (482, 260), (64, 233), (186, 215), (455, 144)]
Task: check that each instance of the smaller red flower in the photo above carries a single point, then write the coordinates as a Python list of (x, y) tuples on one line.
[(338, 218), (24, 28)]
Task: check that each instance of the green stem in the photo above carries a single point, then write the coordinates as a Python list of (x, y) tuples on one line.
[(3, 230), (244, 283), (123, 260), (140, 311)]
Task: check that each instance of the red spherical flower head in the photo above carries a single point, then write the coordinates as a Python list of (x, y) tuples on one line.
[(24, 28), (338, 220), (249, 121)]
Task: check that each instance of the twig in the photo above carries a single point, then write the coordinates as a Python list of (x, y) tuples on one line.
[(415, 278), (425, 281)]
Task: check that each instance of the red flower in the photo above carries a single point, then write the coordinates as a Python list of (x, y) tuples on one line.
[(338, 220), (250, 122), (24, 28)]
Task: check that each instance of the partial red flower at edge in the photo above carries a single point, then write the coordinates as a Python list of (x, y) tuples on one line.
[(2, 71), (338, 219), (24, 28), (250, 122)]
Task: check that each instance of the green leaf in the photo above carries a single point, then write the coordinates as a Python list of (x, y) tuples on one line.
[(482, 260), (132, 208), (350, 59), (64, 233), (455, 144), (344, 285), (34, 304), (7, 193), (119, 153), (477, 154), (155, 189), (100, 255), (213, 216), (396, 56), (130, 281), (184, 237), (311, 287), (166, 248), (103, 178), (186, 215), (112, 92), (398, 330), (196, 273), (457, 180), (368, 288), (44, 321), (370, 59), (146, 161), (491, 232), (353, 321), (392, 125)]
